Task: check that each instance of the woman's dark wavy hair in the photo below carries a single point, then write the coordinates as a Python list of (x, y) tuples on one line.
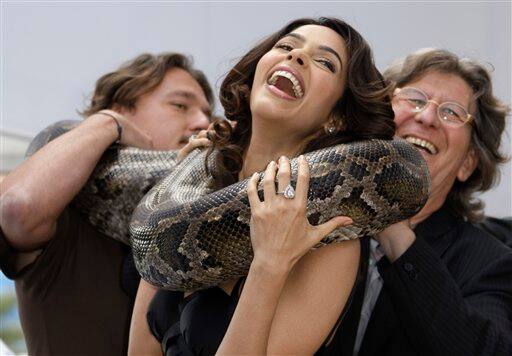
[(364, 108), (487, 127)]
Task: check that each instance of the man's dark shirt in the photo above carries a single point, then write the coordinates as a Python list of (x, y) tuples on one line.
[(70, 298)]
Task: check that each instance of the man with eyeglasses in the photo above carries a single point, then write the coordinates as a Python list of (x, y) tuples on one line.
[(437, 284)]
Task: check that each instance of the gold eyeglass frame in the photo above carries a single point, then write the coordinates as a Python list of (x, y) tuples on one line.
[(469, 117)]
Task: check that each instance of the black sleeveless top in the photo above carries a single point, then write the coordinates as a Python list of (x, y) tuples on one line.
[(196, 325)]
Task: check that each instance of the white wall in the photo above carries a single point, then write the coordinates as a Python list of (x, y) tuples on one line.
[(52, 53)]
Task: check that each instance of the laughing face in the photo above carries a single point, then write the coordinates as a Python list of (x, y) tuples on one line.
[(298, 82), (446, 148)]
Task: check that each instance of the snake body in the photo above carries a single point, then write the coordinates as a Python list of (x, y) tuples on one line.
[(185, 236)]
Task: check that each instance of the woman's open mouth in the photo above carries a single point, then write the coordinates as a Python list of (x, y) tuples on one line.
[(285, 84)]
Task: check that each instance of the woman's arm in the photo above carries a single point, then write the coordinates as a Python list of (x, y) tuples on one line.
[(142, 341), (280, 235)]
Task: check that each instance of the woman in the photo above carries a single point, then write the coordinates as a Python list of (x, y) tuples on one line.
[(310, 85)]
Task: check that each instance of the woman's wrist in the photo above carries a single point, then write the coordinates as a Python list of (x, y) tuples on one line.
[(267, 268)]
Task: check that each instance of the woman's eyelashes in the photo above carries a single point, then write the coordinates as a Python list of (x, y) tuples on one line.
[(323, 61), (327, 64), (287, 47)]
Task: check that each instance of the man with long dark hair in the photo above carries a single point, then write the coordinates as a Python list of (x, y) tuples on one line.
[(68, 274)]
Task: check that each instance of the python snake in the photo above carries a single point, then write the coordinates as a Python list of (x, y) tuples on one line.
[(186, 236)]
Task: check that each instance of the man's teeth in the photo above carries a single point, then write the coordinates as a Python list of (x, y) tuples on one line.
[(422, 143), (297, 89)]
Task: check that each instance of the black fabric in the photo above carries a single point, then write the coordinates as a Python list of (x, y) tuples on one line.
[(130, 277), (7, 257), (450, 293), (163, 312), (196, 325), (499, 228)]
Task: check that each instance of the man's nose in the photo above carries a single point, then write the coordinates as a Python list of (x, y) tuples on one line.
[(198, 121), (428, 116)]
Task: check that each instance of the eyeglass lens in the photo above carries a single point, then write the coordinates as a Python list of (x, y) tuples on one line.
[(447, 112)]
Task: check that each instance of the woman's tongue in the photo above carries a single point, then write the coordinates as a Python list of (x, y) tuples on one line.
[(285, 85)]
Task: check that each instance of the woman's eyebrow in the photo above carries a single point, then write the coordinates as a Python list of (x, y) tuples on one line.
[(330, 50), (321, 47)]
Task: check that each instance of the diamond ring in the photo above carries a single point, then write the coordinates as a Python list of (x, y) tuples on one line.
[(289, 192)]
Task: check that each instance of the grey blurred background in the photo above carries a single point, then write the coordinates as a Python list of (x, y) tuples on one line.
[(53, 52)]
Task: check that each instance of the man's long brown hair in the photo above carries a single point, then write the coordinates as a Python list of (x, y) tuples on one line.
[(138, 77)]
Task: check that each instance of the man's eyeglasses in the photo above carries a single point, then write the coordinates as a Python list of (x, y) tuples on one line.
[(449, 113)]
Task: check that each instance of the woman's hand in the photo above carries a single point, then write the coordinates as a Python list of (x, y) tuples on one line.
[(280, 232), (200, 140)]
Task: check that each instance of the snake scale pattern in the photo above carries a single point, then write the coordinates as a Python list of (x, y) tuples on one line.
[(185, 236)]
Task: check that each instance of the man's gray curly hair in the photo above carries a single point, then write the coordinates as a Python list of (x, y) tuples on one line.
[(487, 127)]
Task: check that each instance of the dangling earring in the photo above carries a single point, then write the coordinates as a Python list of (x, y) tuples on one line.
[(335, 124), (330, 129)]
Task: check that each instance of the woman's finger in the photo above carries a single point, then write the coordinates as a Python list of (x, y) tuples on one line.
[(301, 192), (269, 185), (202, 134), (252, 191), (326, 228), (191, 145), (283, 174), (232, 123)]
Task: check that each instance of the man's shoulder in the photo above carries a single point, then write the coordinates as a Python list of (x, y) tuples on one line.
[(474, 238), (476, 251), (500, 228)]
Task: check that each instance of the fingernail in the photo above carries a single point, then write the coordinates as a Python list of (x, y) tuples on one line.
[(347, 221), (254, 175)]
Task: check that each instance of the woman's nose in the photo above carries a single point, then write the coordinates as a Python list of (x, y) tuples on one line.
[(298, 56)]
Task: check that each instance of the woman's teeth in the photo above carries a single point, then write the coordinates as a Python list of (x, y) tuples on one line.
[(297, 89), (422, 144)]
